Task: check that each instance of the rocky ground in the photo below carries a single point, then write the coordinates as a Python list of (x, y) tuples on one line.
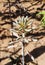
[(12, 56)]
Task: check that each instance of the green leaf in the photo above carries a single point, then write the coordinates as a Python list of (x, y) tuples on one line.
[(42, 12)]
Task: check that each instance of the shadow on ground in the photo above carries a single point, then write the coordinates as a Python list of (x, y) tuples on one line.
[(35, 52)]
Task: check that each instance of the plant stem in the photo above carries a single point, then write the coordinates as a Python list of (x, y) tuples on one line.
[(22, 53)]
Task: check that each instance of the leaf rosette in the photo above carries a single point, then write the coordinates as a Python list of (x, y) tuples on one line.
[(22, 25)]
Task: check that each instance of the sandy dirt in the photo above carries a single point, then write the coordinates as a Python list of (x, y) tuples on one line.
[(37, 49)]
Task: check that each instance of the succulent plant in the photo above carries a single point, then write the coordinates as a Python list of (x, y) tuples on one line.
[(22, 26)]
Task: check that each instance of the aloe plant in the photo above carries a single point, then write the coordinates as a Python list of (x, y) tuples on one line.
[(43, 18), (21, 27)]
